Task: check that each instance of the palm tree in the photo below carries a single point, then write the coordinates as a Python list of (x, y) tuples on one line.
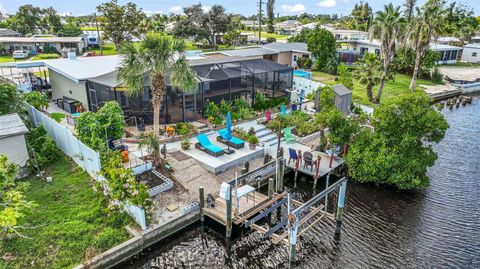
[(159, 58), (369, 71), (387, 27), (270, 16), (409, 9), (427, 24)]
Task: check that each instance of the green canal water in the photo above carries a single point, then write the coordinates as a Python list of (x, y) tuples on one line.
[(438, 227)]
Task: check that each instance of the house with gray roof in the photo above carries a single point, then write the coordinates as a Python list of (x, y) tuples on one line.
[(5, 32), (282, 53)]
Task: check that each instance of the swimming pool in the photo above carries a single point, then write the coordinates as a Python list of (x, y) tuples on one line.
[(302, 74)]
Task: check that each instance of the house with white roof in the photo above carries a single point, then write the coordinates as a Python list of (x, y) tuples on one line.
[(36, 45), (286, 27), (471, 53)]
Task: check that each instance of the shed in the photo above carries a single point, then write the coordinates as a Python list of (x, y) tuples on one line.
[(12, 139), (343, 98), (471, 53)]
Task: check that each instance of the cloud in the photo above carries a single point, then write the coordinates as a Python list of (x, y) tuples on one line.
[(297, 8), (327, 3), (206, 8), (176, 9), (152, 12)]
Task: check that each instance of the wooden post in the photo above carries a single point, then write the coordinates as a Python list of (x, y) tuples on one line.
[(202, 204), (331, 160), (326, 196), (279, 175), (271, 190), (317, 166), (229, 212), (340, 206)]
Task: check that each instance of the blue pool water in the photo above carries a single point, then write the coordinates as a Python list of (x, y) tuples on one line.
[(302, 74)]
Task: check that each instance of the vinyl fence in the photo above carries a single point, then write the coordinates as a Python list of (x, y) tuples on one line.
[(307, 85), (87, 158)]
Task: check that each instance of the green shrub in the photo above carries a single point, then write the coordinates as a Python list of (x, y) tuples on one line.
[(305, 63), (43, 146), (50, 50), (36, 99), (271, 39), (184, 128), (57, 116), (45, 56)]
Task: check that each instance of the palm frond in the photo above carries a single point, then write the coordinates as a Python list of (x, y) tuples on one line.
[(131, 72), (183, 77)]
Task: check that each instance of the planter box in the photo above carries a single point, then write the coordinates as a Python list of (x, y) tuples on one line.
[(165, 186)]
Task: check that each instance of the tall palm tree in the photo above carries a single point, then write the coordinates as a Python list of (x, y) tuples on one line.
[(387, 27), (270, 15), (409, 9), (159, 58), (369, 71), (427, 24)]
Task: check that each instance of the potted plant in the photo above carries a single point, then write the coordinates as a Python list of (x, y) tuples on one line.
[(185, 144), (253, 141)]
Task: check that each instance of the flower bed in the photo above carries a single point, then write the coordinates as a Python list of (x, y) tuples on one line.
[(301, 123)]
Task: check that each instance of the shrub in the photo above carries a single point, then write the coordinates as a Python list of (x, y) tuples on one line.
[(271, 39), (44, 148), (57, 116), (252, 139), (45, 56), (36, 99), (437, 77), (95, 129), (305, 63), (184, 128), (50, 50)]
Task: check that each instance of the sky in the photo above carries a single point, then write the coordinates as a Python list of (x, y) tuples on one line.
[(245, 7)]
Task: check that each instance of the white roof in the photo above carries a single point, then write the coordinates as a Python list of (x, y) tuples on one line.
[(472, 46), (441, 47), (55, 39), (11, 125), (83, 68)]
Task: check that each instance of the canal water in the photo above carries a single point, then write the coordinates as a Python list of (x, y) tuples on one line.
[(438, 227)]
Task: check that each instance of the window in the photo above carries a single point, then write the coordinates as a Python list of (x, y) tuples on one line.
[(294, 58), (474, 54)]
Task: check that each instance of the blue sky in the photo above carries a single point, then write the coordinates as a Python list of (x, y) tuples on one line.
[(246, 7)]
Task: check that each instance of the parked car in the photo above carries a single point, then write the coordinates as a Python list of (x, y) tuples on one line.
[(89, 54), (20, 54)]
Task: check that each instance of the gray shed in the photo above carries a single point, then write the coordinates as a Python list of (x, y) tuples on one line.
[(12, 139), (343, 97)]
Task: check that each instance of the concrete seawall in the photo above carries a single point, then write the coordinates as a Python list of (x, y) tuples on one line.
[(135, 245)]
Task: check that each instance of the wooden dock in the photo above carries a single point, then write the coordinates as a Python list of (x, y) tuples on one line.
[(247, 207), (324, 168)]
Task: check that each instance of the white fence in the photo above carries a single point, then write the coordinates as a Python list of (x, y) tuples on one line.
[(307, 85), (85, 157)]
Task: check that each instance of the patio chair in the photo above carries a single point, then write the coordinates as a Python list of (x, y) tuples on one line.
[(287, 133), (292, 155), (308, 160), (206, 146), (268, 116), (294, 107), (234, 142)]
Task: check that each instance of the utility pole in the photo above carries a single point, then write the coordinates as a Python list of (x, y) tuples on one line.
[(98, 33), (260, 22)]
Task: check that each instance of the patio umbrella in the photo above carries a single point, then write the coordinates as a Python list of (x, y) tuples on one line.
[(228, 134)]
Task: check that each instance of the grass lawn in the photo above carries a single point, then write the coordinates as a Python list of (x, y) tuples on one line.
[(267, 35), (72, 222), (9, 58), (108, 49), (392, 88)]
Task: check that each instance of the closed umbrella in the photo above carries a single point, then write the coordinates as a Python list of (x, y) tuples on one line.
[(228, 134)]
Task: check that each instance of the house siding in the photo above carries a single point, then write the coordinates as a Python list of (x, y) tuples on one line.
[(62, 86), (15, 148), (471, 55)]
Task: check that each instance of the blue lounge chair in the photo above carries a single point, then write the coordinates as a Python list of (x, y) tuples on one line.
[(205, 145), (234, 141)]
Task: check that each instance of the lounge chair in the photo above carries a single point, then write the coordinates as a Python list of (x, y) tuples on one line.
[(287, 133), (234, 141), (205, 145)]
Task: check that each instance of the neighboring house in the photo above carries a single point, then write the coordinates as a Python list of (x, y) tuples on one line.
[(446, 40), (5, 32), (251, 25), (341, 34), (169, 27), (282, 53), (448, 54), (287, 27), (92, 81), (36, 45), (243, 38), (471, 53), (12, 139)]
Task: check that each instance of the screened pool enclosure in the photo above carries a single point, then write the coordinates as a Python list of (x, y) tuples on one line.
[(218, 79)]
